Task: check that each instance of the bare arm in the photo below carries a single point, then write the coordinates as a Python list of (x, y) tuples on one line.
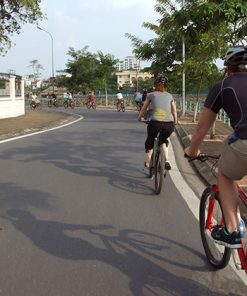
[(143, 110), (174, 112), (206, 120)]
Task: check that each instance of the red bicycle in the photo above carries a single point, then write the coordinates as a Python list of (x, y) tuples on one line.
[(210, 215)]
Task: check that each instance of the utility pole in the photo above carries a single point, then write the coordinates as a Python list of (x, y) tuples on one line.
[(183, 74)]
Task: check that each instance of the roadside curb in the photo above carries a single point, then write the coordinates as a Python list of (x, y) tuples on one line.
[(202, 168)]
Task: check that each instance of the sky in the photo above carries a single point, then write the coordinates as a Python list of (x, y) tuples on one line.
[(99, 24)]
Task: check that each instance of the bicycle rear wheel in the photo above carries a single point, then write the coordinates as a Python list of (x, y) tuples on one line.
[(49, 103), (210, 215), (158, 171)]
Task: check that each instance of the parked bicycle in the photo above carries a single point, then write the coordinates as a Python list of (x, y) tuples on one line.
[(69, 103), (210, 215)]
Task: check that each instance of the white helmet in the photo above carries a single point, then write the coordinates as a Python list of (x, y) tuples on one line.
[(236, 56)]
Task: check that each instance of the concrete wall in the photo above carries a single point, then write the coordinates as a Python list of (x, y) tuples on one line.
[(12, 99)]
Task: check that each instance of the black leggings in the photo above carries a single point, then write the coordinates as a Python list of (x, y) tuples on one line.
[(154, 127)]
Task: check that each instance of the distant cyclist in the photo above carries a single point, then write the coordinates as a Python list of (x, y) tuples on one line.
[(163, 117), (138, 100), (230, 95), (120, 100), (91, 98)]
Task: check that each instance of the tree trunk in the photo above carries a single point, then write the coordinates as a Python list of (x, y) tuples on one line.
[(197, 102)]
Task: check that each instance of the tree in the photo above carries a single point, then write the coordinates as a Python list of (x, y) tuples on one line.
[(13, 14), (88, 71), (36, 67), (207, 28)]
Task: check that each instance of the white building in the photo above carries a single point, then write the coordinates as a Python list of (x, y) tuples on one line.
[(128, 63), (12, 101), (129, 77)]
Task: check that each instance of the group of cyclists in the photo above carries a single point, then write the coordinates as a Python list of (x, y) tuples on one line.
[(230, 95)]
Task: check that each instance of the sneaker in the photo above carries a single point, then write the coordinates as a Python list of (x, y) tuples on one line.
[(167, 165), (145, 170), (222, 237)]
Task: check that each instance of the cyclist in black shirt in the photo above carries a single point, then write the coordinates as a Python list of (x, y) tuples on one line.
[(230, 95)]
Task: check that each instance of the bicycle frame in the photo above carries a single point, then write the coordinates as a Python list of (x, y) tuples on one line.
[(242, 252)]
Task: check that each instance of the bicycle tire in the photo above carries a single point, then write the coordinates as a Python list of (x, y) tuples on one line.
[(56, 104), (159, 171), (39, 106), (32, 106), (49, 103), (72, 105), (218, 256), (66, 105), (151, 168)]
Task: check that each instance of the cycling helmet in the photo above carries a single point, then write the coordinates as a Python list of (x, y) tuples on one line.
[(161, 79), (236, 56)]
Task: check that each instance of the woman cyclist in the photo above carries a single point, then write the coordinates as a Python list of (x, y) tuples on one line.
[(163, 118)]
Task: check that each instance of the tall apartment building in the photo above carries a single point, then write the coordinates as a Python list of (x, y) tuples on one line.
[(128, 63)]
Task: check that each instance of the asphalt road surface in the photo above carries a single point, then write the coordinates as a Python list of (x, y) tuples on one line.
[(78, 217)]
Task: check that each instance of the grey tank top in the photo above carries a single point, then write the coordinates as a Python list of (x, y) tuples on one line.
[(161, 106)]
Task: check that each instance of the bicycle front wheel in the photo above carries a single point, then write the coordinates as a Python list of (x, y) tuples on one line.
[(210, 215), (158, 171)]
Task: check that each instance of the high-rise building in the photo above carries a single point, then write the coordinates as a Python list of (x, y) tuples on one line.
[(129, 63)]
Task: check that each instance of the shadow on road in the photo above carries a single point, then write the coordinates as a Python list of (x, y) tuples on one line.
[(130, 251)]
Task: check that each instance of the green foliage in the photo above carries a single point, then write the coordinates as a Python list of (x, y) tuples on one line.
[(207, 28), (89, 71), (13, 14)]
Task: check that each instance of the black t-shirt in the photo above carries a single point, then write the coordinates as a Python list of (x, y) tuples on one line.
[(230, 94)]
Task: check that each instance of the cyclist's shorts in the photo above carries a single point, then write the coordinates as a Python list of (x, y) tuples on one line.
[(233, 160), (165, 129)]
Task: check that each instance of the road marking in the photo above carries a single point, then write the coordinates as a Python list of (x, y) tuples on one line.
[(42, 131)]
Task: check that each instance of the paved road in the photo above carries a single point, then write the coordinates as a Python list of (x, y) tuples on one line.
[(78, 217)]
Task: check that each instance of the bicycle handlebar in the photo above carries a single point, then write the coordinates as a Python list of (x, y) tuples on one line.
[(202, 157), (145, 121)]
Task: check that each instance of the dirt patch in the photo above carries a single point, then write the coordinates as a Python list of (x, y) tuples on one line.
[(33, 120)]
